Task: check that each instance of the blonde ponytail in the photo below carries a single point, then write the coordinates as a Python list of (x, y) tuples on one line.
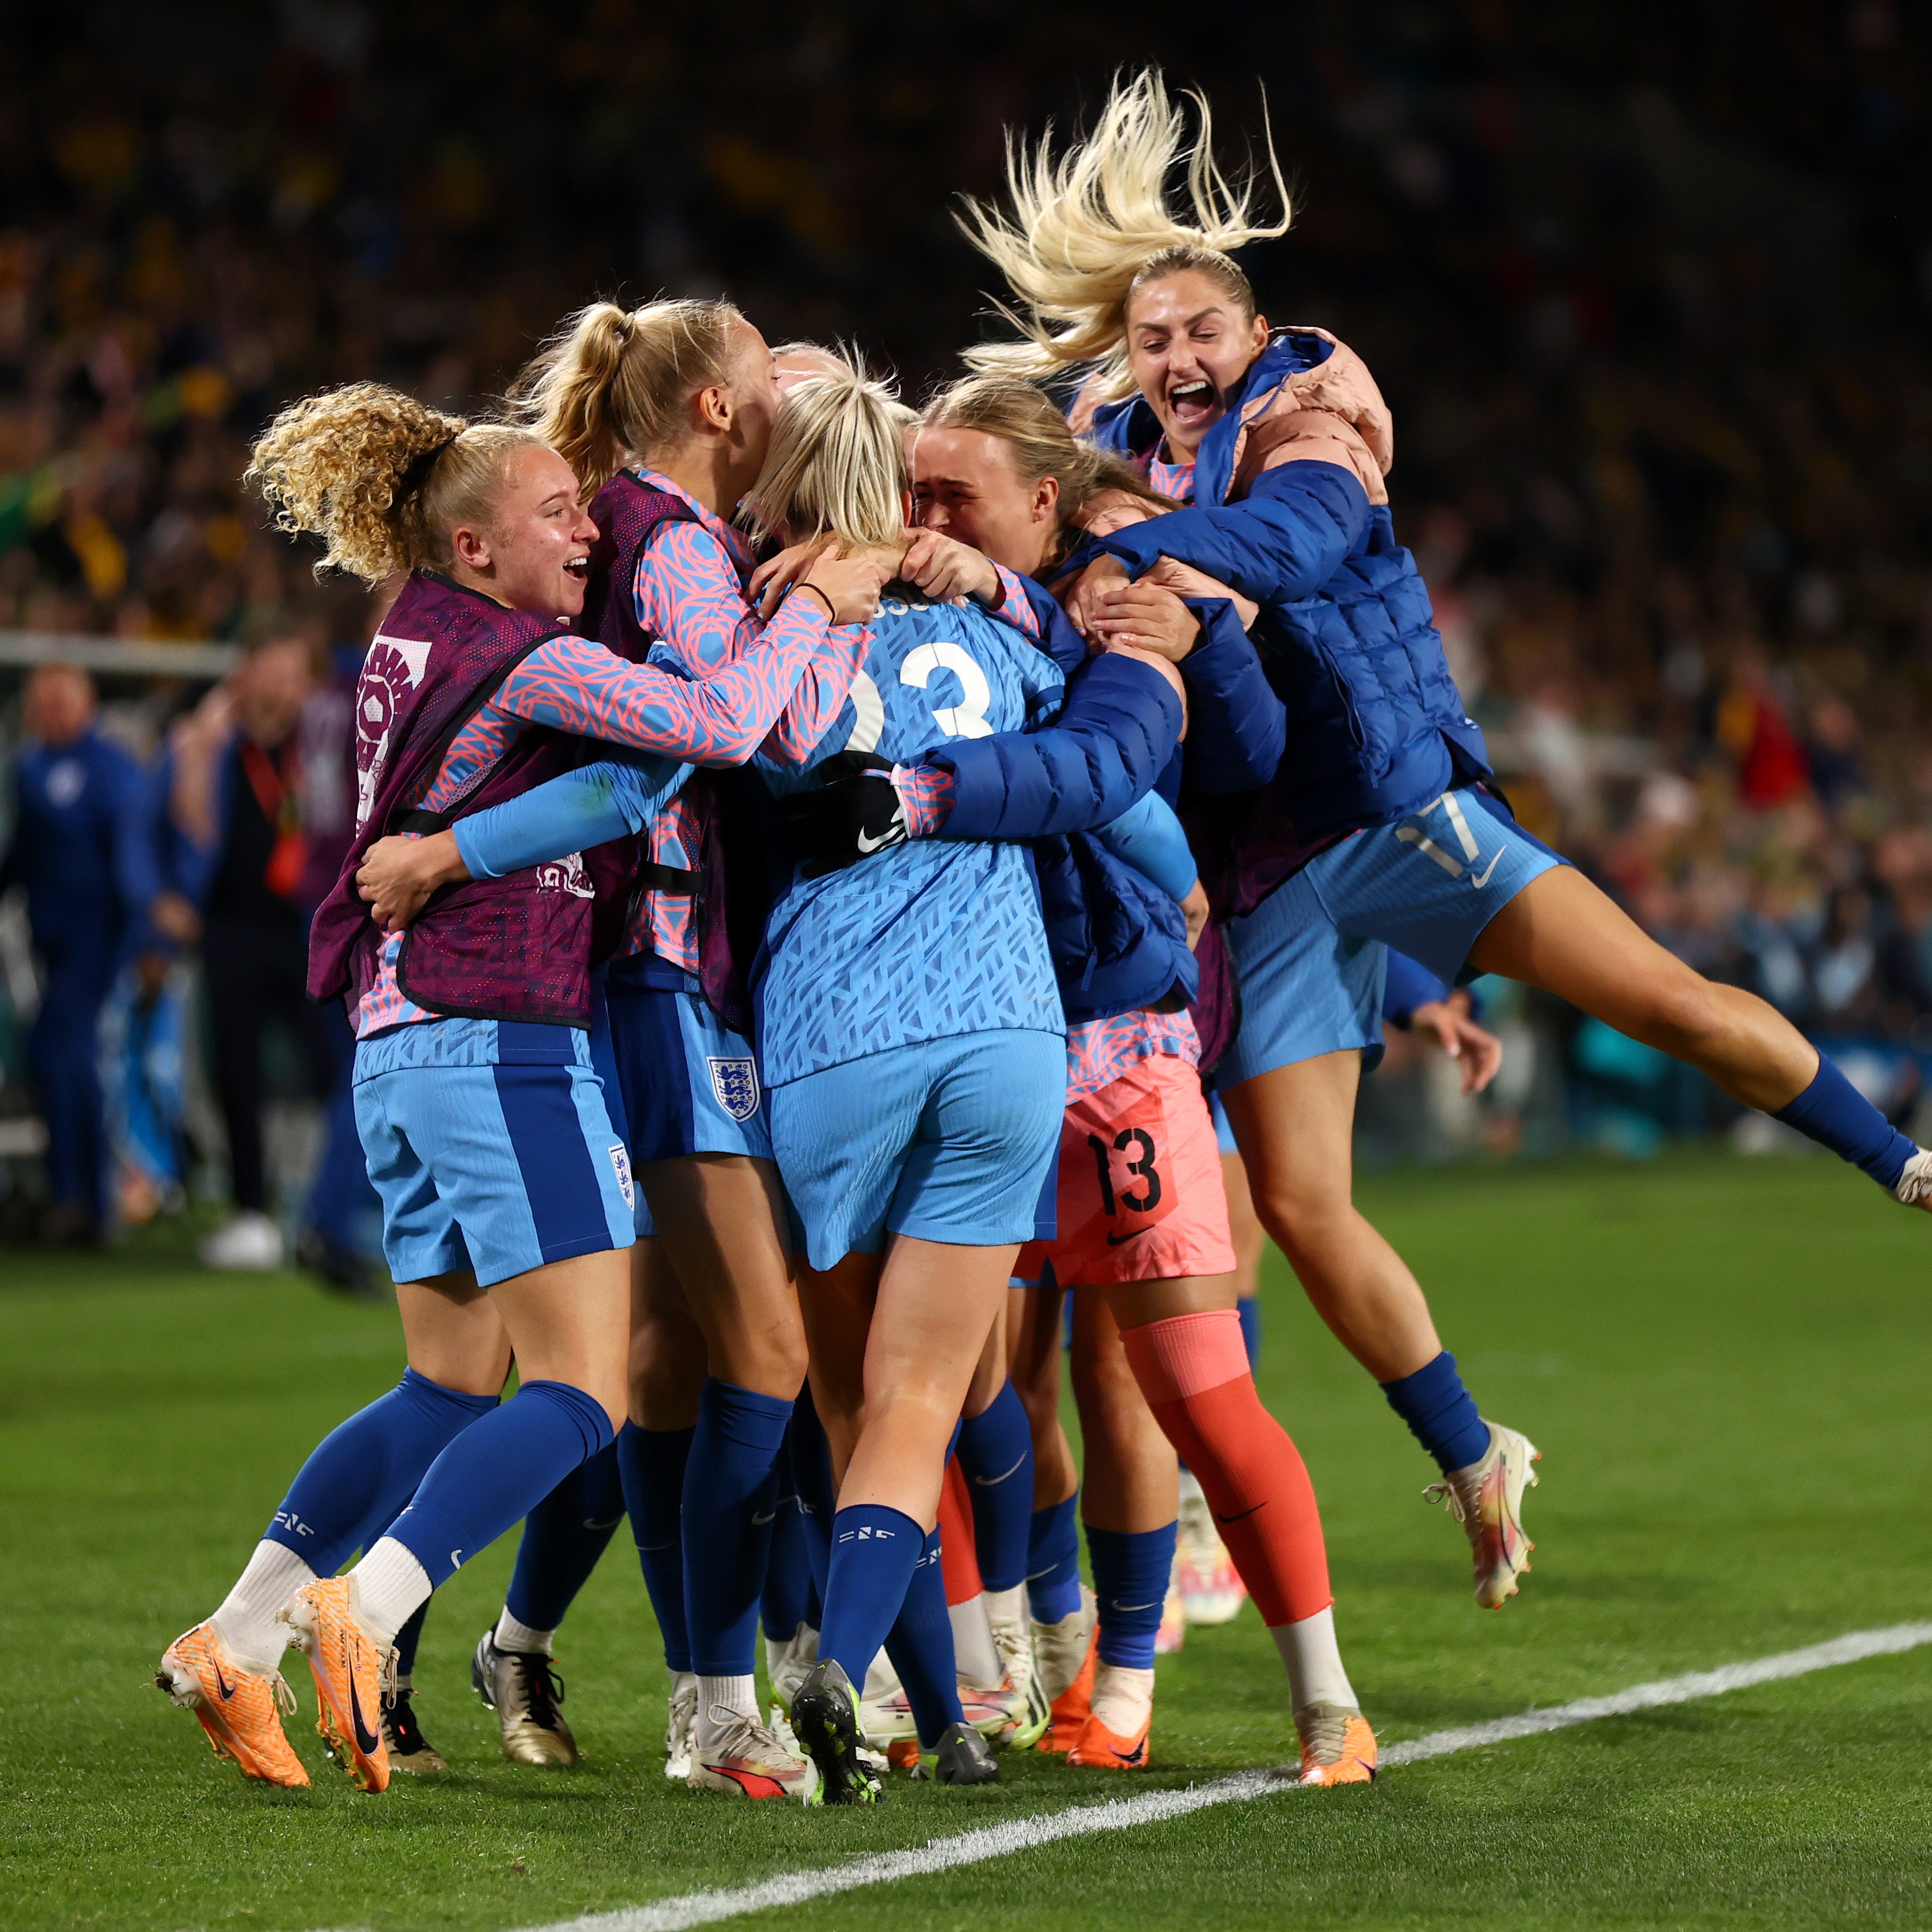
[(611, 385), (837, 464), (382, 478), (1085, 230)]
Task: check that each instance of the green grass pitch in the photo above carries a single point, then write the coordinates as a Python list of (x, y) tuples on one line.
[(1725, 1363)]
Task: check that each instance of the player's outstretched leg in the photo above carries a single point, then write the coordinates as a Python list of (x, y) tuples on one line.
[(1294, 1121)]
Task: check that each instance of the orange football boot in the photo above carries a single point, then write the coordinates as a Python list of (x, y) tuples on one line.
[(1098, 1749), (236, 1708), (1075, 1705), (1337, 1746), (349, 1673)]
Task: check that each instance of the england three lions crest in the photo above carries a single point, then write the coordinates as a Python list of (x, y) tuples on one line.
[(735, 1082)]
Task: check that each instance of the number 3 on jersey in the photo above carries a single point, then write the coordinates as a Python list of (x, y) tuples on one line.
[(966, 719)]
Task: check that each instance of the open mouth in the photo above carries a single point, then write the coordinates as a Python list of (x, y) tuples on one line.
[(1193, 403), (578, 567)]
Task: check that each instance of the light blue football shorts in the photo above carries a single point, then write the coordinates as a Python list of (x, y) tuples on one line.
[(1312, 957), (495, 1168), (948, 1140), (686, 1083)]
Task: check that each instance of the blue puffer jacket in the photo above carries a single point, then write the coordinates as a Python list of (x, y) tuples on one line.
[(1291, 510), (1119, 944)]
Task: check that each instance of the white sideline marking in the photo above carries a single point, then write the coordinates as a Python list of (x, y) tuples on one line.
[(1121, 1814)]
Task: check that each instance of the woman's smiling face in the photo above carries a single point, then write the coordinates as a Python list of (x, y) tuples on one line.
[(1190, 343)]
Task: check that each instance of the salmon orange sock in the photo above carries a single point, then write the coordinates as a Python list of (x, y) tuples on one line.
[(1193, 1369)]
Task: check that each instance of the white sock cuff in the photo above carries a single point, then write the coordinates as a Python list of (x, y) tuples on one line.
[(246, 1617), (511, 1635), (736, 1694), (1006, 1608), (1313, 1661), (390, 1583), (1123, 1696)]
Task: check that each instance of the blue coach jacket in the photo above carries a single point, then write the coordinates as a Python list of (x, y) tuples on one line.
[(1119, 943), (1291, 510)]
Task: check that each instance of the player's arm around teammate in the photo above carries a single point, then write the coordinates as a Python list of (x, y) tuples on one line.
[(668, 408), (1142, 1216), (912, 1049)]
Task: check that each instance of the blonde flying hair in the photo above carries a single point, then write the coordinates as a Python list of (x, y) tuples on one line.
[(837, 465), (611, 385), (1040, 444), (382, 478), (1087, 230)]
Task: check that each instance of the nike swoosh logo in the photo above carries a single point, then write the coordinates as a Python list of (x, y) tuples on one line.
[(222, 1685), (770, 1515), (1115, 1240), (987, 1482), (1121, 1609), (869, 845), (1239, 1514), (367, 1741), (1133, 1757), (1479, 880)]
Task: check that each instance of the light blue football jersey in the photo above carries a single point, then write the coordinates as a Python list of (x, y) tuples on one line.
[(931, 938)]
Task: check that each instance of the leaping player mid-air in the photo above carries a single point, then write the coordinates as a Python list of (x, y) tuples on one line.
[(1383, 826)]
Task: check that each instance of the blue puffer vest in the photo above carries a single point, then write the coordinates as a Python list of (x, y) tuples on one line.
[(1375, 726), (1119, 944)]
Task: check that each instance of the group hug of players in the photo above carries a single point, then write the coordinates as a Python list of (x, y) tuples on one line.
[(816, 861)]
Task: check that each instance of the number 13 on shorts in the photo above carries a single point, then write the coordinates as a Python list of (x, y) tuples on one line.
[(1134, 1196)]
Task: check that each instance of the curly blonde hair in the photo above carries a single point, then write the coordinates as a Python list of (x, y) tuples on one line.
[(611, 386), (837, 465), (382, 478), (1087, 230)]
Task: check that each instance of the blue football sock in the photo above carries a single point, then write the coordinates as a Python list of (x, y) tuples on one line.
[(1441, 1413), (996, 1452), (651, 1461), (874, 1551), (1131, 1570), (563, 1537), (789, 1598), (730, 1491), (497, 1470), (920, 1646), (817, 1501), (408, 1636), (1250, 1309), (362, 1475), (1053, 1561), (1834, 1114)]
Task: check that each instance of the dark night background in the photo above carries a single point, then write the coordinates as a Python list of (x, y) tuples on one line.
[(1648, 288)]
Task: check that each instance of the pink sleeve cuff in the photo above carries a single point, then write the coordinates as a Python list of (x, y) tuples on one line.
[(926, 796)]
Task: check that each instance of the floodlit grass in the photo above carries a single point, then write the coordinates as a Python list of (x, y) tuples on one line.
[(1725, 1363)]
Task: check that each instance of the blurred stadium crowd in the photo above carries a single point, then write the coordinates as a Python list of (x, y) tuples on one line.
[(1648, 287)]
